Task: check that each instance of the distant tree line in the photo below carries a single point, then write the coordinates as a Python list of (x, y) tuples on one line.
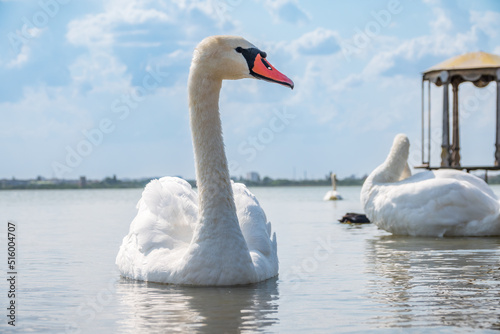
[(114, 182), (326, 181)]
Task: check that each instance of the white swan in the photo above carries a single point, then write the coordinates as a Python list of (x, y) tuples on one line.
[(440, 203), (333, 195), (219, 236)]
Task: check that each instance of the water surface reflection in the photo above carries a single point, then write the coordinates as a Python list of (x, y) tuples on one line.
[(432, 283), (152, 307)]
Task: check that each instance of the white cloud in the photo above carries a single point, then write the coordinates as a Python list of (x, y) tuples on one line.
[(91, 31), (188, 16), (287, 11), (441, 22), (317, 42), (100, 71), (488, 21), (98, 30), (24, 48), (21, 58), (442, 42), (43, 111), (156, 26)]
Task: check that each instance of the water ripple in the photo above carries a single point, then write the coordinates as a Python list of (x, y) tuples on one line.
[(427, 282)]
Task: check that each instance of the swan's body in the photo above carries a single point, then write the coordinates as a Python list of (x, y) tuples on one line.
[(433, 203), (333, 195), (219, 236)]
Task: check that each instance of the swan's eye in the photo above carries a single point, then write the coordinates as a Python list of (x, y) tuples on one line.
[(266, 64), (239, 49)]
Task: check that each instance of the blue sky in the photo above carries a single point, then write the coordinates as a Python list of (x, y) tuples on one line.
[(73, 98)]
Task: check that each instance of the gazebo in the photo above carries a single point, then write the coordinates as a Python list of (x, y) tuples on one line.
[(480, 68)]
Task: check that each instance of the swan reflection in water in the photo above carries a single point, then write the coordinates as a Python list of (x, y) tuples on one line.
[(432, 283), (153, 307)]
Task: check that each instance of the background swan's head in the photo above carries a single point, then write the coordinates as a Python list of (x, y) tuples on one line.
[(232, 58), (400, 145), (399, 151)]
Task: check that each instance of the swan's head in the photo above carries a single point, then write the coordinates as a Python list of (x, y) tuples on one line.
[(232, 58), (400, 145), (399, 151)]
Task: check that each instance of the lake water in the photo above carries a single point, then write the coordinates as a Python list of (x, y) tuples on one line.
[(333, 277)]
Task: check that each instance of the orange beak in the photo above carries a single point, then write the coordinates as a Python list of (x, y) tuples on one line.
[(262, 69)]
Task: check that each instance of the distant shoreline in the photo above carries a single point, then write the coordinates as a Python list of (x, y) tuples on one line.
[(113, 183)]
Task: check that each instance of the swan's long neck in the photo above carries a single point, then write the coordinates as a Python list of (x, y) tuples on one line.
[(216, 202), (394, 168), (334, 182)]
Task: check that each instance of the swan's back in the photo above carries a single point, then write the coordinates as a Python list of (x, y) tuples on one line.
[(435, 204)]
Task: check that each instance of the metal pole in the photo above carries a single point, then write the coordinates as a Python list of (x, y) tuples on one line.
[(497, 141), (455, 148), (445, 145), (423, 137), (429, 126)]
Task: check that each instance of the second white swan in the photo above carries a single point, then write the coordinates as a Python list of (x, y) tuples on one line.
[(441, 203), (333, 195)]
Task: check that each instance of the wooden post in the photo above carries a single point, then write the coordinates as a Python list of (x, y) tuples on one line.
[(455, 147), (445, 146), (497, 141)]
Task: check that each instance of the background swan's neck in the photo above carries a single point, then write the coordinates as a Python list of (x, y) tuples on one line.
[(334, 182), (216, 202), (395, 168)]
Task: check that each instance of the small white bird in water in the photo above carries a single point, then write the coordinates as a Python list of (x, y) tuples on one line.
[(333, 195), (219, 236), (441, 203)]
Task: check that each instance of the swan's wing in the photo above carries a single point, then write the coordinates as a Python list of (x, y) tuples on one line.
[(256, 231), (162, 229), (435, 206)]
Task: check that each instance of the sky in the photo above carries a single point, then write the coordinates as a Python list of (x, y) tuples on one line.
[(98, 88)]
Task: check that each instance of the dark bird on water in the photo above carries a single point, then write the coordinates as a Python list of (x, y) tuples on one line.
[(354, 218)]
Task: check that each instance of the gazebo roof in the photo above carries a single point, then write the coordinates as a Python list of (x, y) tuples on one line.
[(472, 66), (471, 60)]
